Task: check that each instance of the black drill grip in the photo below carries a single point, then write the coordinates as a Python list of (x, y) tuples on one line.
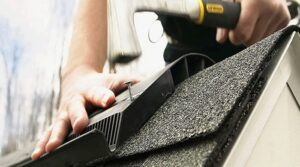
[(217, 13)]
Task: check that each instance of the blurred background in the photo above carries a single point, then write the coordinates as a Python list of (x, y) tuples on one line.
[(34, 41)]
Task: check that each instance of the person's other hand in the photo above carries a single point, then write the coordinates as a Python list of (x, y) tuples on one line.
[(258, 19), (82, 89)]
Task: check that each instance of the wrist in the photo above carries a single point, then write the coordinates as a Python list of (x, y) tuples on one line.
[(79, 70)]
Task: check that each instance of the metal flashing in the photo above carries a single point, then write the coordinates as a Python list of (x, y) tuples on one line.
[(284, 71)]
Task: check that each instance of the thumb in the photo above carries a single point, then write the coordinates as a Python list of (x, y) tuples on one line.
[(221, 35), (119, 81), (100, 96)]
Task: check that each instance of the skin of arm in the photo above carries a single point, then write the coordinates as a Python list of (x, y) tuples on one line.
[(258, 19), (83, 85)]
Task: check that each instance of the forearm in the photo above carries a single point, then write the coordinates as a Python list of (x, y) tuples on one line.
[(89, 41)]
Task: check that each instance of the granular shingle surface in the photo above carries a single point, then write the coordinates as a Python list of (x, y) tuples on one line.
[(196, 111), (192, 154)]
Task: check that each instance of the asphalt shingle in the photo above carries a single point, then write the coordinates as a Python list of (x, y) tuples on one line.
[(202, 113)]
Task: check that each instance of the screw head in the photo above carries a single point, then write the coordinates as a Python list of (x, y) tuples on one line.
[(128, 82)]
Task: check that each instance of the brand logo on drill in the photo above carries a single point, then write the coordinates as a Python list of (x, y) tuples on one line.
[(214, 8)]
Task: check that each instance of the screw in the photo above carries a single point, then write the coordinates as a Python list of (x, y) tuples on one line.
[(129, 90)]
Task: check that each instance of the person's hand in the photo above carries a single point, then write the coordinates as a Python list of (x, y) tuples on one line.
[(81, 89), (258, 19)]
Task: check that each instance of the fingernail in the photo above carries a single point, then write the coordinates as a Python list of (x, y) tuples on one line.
[(218, 36), (50, 145), (75, 126), (47, 147), (105, 99), (222, 33), (78, 126), (34, 153)]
